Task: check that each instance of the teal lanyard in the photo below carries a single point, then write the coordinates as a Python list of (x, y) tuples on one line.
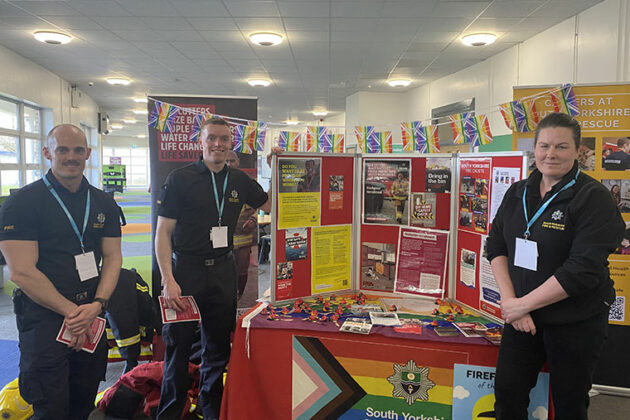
[(542, 208), (216, 195), (70, 219)]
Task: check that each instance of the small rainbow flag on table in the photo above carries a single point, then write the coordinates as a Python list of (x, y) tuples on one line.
[(338, 143), (289, 141), (564, 100)]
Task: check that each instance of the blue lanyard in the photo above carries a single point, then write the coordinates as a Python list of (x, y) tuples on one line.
[(542, 208), (65, 209), (216, 195)]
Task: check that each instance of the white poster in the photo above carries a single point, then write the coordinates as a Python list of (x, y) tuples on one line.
[(489, 288), (502, 178)]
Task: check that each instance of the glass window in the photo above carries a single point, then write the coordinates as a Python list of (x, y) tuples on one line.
[(139, 179), (33, 175), (33, 150), (8, 115), (9, 149), (31, 120), (139, 152), (10, 180)]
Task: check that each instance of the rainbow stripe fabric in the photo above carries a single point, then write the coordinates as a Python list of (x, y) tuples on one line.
[(339, 143), (289, 140), (473, 129), (458, 125), (244, 139), (163, 116), (564, 100), (259, 133), (198, 119), (363, 133), (386, 142), (407, 136), (428, 141)]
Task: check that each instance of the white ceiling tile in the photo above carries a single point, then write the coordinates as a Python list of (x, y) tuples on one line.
[(51, 8), (252, 8), (306, 24), (172, 23), (73, 22), (221, 36), (258, 24), (356, 36), (362, 9), (493, 25), (459, 9), (408, 8), (98, 8), (171, 36), (213, 24), (442, 24), (198, 8), (8, 9), (231, 46), (562, 8), (442, 37), (144, 35), (353, 24), (28, 23), (149, 7), (14, 34), (512, 8), (130, 23), (298, 37), (156, 48), (306, 9)]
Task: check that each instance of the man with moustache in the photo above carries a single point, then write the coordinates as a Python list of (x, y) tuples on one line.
[(54, 233), (198, 208)]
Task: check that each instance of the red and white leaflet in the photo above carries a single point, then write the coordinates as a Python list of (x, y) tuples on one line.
[(94, 335), (191, 313)]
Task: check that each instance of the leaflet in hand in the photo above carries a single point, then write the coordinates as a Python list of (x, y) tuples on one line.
[(94, 334), (191, 313)]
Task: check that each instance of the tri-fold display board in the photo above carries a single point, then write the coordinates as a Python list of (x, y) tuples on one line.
[(385, 224)]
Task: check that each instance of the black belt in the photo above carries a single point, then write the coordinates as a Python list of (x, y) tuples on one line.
[(208, 262)]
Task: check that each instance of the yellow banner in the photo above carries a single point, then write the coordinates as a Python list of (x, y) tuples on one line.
[(620, 273), (331, 258), (301, 209)]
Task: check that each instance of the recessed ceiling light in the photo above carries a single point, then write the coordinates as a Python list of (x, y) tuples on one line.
[(322, 113), (118, 81), (54, 38), (292, 122), (140, 100), (259, 82), (478, 40), (116, 126), (399, 82), (265, 39), (130, 121), (141, 136), (140, 111)]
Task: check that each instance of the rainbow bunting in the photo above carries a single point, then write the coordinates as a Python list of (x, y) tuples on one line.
[(362, 134), (407, 136), (324, 140), (289, 141), (373, 142), (507, 111), (237, 137), (564, 100), (458, 125), (428, 139), (338, 143), (259, 132), (197, 121), (244, 139), (526, 115), (311, 138), (163, 116), (478, 130), (385, 140)]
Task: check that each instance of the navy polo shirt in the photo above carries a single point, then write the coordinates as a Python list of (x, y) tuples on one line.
[(33, 214), (188, 197)]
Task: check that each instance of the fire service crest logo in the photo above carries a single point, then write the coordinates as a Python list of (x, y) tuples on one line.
[(411, 382)]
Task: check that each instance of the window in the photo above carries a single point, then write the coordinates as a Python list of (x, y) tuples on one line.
[(92, 166), (445, 133), (136, 161), (21, 139)]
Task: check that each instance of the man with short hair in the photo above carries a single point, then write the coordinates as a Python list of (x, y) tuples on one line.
[(54, 233), (198, 208), (620, 159)]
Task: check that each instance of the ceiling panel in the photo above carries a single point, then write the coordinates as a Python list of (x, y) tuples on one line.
[(198, 8), (51, 8)]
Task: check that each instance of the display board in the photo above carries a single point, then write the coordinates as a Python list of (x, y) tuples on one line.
[(604, 115), (312, 227), (482, 180), (404, 221)]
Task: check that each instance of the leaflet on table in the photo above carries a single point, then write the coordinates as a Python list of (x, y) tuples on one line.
[(94, 334), (191, 313), (421, 266), (471, 329), (384, 318), (356, 325)]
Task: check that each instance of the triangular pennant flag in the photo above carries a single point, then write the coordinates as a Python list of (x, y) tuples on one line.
[(338, 143), (507, 111), (428, 139), (373, 142), (385, 140), (407, 136), (564, 100), (362, 134), (324, 140), (458, 125)]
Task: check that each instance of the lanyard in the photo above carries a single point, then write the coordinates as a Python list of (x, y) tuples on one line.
[(216, 195), (65, 209), (542, 208)]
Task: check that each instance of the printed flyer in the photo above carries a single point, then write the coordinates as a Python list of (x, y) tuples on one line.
[(378, 263), (299, 196), (503, 179), (489, 294), (331, 258), (296, 244), (473, 194), (438, 178), (423, 209), (421, 267), (386, 191), (335, 192)]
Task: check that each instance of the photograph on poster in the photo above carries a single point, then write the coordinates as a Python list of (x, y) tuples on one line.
[(474, 184), (299, 175), (465, 218), (438, 178), (299, 198), (467, 268), (386, 192), (285, 271), (464, 202), (423, 209), (624, 247), (620, 190), (295, 244), (378, 263), (335, 183), (586, 154), (335, 195), (615, 155)]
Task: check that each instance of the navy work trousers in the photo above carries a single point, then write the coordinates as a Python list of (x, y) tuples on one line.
[(571, 351), (214, 289)]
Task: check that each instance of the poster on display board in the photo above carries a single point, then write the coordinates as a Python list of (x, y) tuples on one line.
[(474, 184), (299, 194), (332, 258), (421, 265), (386, 191)]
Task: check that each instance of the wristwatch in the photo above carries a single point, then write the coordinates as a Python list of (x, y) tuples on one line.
[(104, 303)]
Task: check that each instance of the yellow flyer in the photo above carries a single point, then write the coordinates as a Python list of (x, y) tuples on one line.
[(299, 192), (331, 258), (619, 272)]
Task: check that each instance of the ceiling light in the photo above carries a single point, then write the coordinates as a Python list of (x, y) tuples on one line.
[(399, 82), (116, 126), (265, 39), (118, 81), (140, 100), (259, 82), (140, 111), (478, 40), (141, 136), (54, 38), (130, 121), (292, 122), (320, 113)]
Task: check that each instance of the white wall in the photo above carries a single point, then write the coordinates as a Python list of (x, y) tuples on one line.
[(592, 47), (23, 79), (382, 110)]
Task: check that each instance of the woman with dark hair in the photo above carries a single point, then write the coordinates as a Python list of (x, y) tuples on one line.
[(616, 193), (549, 248)]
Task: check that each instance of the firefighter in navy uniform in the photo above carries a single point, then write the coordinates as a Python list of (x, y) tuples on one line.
[(53, 234), (198, 208)]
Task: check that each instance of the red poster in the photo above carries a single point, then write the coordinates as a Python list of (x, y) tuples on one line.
[(474, 183), (180, 145), (421, 265)]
